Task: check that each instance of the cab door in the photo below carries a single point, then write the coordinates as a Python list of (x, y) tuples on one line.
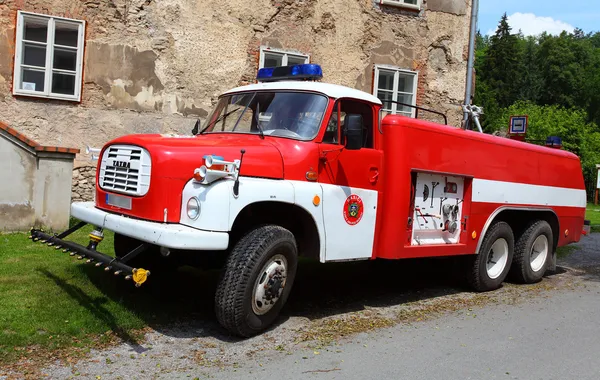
[(351, 183)]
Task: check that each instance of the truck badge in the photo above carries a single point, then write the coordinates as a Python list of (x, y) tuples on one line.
[(122, 164), (353, 209)]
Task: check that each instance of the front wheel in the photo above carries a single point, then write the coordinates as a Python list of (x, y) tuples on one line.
[(257, 280)]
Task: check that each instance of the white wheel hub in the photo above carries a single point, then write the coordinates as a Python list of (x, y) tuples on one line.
[(269, 284), (539, 253), (497, 258)]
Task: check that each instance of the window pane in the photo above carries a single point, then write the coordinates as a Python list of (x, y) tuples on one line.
[(405, 82), (386, 80), (36, 30), (385, 98), (407, 99), (273, 60), (64, 59), (32, 80), (292, 60), (66, 34), (34, 55), (63, 84), (413, 2)]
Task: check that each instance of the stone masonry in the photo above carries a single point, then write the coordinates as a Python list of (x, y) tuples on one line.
[(156, 66)]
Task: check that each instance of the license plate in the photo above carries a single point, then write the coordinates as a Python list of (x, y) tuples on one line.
[(118, 201)]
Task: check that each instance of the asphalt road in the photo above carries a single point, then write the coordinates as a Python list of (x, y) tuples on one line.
[(550, 338), (545, 331)]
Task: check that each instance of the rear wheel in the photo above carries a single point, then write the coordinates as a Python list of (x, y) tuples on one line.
[(532, 253), (257, 280), (489, 268)]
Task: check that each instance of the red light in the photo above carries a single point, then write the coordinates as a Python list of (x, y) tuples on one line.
[(197, 175)]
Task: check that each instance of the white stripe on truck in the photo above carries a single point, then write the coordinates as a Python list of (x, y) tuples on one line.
[(488, 191)]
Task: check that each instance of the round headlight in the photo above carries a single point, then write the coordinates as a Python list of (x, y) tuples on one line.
[(193, 208)]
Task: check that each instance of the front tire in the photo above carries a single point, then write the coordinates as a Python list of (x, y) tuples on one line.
[(489, 268), (532, 253), (257, 280)]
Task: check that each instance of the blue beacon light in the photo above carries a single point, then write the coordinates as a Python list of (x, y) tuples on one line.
[(293, 72)]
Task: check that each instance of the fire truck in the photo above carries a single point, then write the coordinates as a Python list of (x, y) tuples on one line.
[(293, 167)]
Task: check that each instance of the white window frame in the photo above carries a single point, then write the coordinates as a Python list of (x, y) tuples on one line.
[(47, 93), (284, 53), (402, 4), (397, 71)]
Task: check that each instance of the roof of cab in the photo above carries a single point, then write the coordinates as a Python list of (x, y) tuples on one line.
[(332, 90)]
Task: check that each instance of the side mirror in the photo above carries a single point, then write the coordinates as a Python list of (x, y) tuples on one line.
[(353, 130), (196, 127)]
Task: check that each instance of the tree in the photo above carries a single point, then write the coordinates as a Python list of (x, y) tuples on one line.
[(503, 65)]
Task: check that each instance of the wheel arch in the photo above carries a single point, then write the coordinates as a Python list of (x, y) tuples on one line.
[(514, 217), (291, 216)]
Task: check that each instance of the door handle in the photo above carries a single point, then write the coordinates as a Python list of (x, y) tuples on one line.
[(373, 175)]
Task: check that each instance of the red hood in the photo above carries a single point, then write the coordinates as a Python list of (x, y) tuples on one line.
[(178, 156)]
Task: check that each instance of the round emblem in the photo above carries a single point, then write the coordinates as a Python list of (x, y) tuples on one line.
[(353, 209)]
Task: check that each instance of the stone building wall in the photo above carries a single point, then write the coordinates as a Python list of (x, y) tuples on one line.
[(158, 65)]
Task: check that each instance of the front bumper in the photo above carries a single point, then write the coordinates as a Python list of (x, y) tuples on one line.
[(174, 236)]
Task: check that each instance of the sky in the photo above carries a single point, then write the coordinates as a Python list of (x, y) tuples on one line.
[(535, 16)]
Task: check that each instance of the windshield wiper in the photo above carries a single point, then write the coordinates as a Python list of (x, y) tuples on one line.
[(219, 119)]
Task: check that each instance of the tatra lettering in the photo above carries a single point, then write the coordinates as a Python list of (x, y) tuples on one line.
[(122, 164)]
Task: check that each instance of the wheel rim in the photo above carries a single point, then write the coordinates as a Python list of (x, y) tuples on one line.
[(269, 284), (497, 258), (539, 253)]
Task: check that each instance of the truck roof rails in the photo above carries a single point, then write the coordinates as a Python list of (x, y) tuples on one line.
[(420, 109)]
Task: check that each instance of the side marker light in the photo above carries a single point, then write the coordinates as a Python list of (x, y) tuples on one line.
[(316, 200), (474, 235)]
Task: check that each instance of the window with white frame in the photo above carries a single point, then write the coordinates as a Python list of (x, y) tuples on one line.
[(275, 57), (48, 56), (393, 84), (412, 4)]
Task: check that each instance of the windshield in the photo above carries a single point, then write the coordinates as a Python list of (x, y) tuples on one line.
[(294, 115)]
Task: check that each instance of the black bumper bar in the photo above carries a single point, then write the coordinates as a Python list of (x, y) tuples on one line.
[(118, 265)]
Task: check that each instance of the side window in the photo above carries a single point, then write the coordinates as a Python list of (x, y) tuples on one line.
[(331, 131), (349, 106)]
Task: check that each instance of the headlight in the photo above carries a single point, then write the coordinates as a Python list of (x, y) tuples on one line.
[(193, 208)]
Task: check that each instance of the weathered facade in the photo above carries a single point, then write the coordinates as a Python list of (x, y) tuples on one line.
[(158, 65)]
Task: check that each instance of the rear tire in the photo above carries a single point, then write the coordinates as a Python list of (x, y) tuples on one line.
[(532, 253), (489, 268), (260, 269)]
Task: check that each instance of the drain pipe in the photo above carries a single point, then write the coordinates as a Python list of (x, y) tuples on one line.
[(470, 62)]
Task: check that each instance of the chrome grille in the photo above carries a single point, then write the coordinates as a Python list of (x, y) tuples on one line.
[(125, 169)]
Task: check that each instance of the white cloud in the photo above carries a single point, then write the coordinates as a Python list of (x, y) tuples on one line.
[(532, 25)]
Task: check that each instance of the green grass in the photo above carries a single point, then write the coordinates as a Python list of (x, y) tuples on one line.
[(593, 215), (51, 300)]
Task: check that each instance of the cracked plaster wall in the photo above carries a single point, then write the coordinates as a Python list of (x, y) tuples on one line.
[(156, 66)]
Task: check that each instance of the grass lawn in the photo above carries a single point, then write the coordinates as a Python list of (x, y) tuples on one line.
[(51, 300), (593, 215)]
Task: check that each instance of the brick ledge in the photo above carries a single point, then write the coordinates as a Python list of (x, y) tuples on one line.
[(34, 145)]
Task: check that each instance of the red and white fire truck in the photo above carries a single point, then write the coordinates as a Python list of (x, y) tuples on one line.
[(291, 167)]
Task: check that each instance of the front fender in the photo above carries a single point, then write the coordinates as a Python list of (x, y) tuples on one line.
[(219, 207)]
